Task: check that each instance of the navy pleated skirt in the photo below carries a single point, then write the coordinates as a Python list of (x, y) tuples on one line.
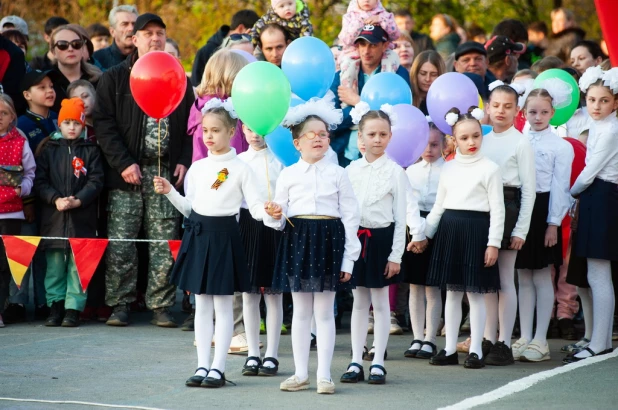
[(309, 256), (458, 256), (414, 266), (377, 245), (260, 244), (512, 205), (534, 254), (211, 259)]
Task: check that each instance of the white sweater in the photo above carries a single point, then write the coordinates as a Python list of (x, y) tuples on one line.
[(470, 183)]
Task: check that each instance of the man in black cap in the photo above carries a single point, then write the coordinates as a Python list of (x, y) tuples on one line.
[(471, 57), (372, 43), (129, 141), (503, 55)]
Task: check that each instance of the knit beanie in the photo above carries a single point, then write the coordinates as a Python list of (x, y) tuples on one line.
[(72, 109)]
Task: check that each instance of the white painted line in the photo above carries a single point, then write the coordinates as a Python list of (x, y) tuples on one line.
[(522, 384), (81, 403)]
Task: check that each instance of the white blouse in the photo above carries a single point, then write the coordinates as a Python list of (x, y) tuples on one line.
[(514, 155), (258, 160), (579, 122), (324, 189), (424, 177), (208, 197), (470, 183), (553, 158), (380, 188), (601, 155)]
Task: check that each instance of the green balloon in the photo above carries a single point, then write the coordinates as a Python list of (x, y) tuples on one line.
[(566, 111), (261, 95)]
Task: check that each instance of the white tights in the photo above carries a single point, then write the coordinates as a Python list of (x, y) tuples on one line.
[(502, 307), (418, 294), (585, 294), (306, 305), (274, 319), (205, 308), (535, 289), (363, 299), (452, 321)]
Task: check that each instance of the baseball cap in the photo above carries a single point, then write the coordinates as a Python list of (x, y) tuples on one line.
[(499, 47), (470, 47), (372, 34), (17, 22), (143, 20), (34, 77)]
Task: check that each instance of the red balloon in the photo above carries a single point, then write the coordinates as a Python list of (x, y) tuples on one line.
[(158, 84), (606, 11)]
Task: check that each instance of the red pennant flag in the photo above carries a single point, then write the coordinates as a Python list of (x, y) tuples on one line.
[(19, 252), (87, 253), (174, 248)]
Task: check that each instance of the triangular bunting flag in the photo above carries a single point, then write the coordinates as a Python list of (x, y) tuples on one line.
[(87, 253), (19, 252), (174, 248)]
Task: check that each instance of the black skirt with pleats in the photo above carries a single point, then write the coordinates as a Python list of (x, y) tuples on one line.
[(512, 206), (377, 245), (458, 256), (414, 266)]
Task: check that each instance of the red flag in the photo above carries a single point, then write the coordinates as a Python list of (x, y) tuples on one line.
[(87, 253), (19, 252), (174, 248), (606, 11)]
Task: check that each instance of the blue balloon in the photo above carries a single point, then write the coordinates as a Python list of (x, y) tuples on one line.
[(386, 88), (309, 65), (294, 101), (280, 143), (486, 129)]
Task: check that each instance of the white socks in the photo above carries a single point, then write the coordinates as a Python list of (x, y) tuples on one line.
[(502, 307), (418, 293), (363, 298), (205, 307), (452, 321), (585, 294), (535, 289), (274, 319), (305, 306)]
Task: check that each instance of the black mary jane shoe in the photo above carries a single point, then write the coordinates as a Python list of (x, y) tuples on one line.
[(369, 355), (251, 370), (377, 378), (573, 359), (441, 359), (213, 382), (473, 362), (422, 354), (413, 352), (351, 376), (269, 371), (196, 381)]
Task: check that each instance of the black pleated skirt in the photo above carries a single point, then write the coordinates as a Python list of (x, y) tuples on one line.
[(377, 245), (534, 254), (458, 256), (211, 259), (512, 205), (309, 256), (414, 266), (597, 226), (260, 244), (577, 271)]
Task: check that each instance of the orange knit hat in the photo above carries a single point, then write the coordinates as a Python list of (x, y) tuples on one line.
[(72, 109)]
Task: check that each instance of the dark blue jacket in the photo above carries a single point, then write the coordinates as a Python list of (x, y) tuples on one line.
[(36, 127), (109, 56), (340, 137)]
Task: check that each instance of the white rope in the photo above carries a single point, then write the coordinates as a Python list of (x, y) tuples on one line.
[(82, 403), (58, 238)]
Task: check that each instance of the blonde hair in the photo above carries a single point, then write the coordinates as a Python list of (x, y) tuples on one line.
[(8, 101), (92, 72), (428, 56), (220, 72)]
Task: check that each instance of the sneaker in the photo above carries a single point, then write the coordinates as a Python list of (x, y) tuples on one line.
[(71, 318), (519, 347), (395, 328), (294, 384), (566, 327), (326, 386), (464, 347), (119, 317), (239, 344), (500, 355), (163, 318), (486, 347), (262, 327), (576, 347), (189, 324), (56, 313), (370, 328), (41, 312), (466, 324), (14, 313), (536, 352)]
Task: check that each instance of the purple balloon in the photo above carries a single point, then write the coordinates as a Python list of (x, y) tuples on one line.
[(249, 57), (410, 135), (448, 91)]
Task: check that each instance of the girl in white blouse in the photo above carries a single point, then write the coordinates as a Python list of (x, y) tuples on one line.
[(211, 261), (424, 177), (513, 153), (543, 247), (260, 244), (319, 244), (597, 190), (466, 223)]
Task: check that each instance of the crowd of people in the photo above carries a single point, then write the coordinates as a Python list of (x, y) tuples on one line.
[(494, 233)]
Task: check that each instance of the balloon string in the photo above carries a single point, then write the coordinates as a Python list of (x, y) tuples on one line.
[(159, 146), (268, 186)]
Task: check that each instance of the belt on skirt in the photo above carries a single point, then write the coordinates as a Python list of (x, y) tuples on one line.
[(314, 217)]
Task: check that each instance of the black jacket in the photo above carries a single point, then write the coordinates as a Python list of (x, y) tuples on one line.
[(119, 123), (109, 56), (204, 54), (55, 179), (15, 71)]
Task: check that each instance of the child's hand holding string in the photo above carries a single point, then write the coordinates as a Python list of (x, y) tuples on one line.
[(274, 210), (162, 185)]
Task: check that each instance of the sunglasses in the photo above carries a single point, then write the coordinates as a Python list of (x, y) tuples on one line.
[(63, 45), (312, 134), (238, 37)]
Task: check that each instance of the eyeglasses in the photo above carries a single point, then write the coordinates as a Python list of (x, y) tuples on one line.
[(312, 134), (64, 45), (238, 37)]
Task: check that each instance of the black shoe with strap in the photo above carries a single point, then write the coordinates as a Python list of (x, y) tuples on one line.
[(195, 380), (573, 359), (423, 354), (413, 352), (442, 359), (213, 382), (350, 376), (473, 362), (500, 355), (269, 371), (251, 370), (377, 378)]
